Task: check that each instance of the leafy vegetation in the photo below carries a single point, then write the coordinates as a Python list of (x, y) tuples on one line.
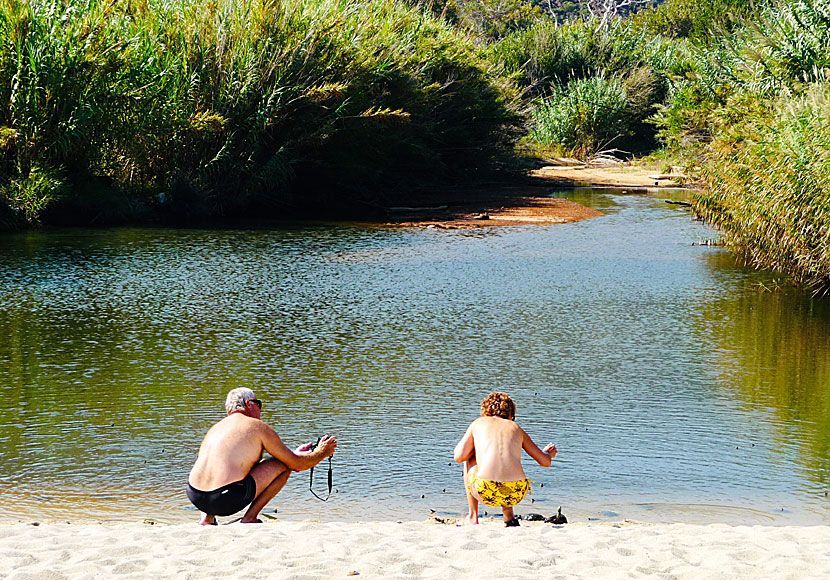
[(220, 108), (585, 115), (175, 109), (550, 62), (767, 168)]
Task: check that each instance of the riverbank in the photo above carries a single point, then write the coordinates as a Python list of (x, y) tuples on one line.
[(412, 550), (531, 204)]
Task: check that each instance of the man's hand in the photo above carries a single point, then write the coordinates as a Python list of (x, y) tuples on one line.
[(550, 449), (327, 445), (304, 449)]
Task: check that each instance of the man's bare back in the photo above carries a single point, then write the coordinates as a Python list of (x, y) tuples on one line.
[(228, 452), (230, 473)]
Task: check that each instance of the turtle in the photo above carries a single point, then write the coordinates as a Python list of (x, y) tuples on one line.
[(534, 518), (558, 518)]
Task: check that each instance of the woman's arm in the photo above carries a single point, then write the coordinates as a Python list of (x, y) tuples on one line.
[(465, 448), (542, 456)]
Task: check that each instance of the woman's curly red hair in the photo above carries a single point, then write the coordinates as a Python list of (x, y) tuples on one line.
[(499, 405)]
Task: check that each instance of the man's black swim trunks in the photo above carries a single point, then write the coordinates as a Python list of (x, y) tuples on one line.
[(226, 500)]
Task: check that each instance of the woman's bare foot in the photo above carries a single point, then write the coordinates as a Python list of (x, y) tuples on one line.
[(470, 520)]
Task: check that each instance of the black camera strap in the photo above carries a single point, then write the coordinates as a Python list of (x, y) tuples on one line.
[(311, 483)]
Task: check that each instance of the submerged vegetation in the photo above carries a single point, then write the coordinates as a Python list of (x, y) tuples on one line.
[(129, 110)]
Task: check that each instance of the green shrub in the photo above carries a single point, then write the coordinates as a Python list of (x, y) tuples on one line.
[(27, 196), (697, 20), (584, 116), (546, 59), (546, 53), (768, 183), (493, 19), (241, 108)]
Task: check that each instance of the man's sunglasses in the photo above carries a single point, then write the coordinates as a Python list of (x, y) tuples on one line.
[(257, 402)]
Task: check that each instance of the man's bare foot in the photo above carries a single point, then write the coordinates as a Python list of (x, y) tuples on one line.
[(208, 520), (253, 521)]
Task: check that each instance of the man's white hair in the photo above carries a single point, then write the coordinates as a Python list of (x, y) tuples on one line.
[(237, 398)]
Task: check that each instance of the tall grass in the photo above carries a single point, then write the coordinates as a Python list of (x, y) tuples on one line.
[(206, 109), (767, 168), (771, 193), (577, 78), (585, 116)]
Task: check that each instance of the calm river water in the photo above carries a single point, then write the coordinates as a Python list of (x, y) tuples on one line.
[(674, 389)]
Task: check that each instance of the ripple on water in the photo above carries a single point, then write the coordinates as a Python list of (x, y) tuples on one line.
[(642, 356)]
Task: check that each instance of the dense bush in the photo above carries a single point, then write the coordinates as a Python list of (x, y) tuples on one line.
[(767, 168), (768, 185), (111, 108), (549, 61), (584, 116), (494, 19), (699, 20)]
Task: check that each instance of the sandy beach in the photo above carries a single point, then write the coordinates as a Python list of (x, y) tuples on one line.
[(278, 549)]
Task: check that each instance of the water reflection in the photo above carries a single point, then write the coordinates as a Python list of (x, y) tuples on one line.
[(666, 380), (773, 349)]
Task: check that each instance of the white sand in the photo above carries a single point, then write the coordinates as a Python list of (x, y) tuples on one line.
[(412, 550)]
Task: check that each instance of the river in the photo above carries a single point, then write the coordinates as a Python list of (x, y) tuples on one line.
[(675, 388)]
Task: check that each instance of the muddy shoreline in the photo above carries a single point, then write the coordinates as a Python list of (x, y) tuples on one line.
[(524, 205)]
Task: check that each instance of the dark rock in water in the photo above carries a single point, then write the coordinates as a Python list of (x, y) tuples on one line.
[(534, 518), (558, 519)]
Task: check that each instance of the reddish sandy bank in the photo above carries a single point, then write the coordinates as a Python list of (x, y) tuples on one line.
[(531, 205)]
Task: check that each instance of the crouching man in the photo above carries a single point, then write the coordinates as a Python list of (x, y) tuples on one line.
[(231, 467)]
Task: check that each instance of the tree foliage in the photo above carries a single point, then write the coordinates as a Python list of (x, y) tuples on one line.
[(220, 108)]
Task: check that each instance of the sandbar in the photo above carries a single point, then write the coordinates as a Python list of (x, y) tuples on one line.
[(528, 204)]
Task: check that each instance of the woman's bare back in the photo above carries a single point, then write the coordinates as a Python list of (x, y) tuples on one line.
[(498, 449)]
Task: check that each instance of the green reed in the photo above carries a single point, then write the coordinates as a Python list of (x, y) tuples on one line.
[(585, 116), (768, 185), (764, 107), (191, 109), (587, 87)]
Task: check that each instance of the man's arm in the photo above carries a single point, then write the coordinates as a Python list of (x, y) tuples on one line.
[(465, 448), (296, 461), (542, 456)]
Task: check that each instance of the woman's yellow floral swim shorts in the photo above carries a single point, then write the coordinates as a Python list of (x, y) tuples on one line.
[(500, 493)]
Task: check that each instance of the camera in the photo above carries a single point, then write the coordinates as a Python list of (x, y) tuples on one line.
[(315, 444)]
